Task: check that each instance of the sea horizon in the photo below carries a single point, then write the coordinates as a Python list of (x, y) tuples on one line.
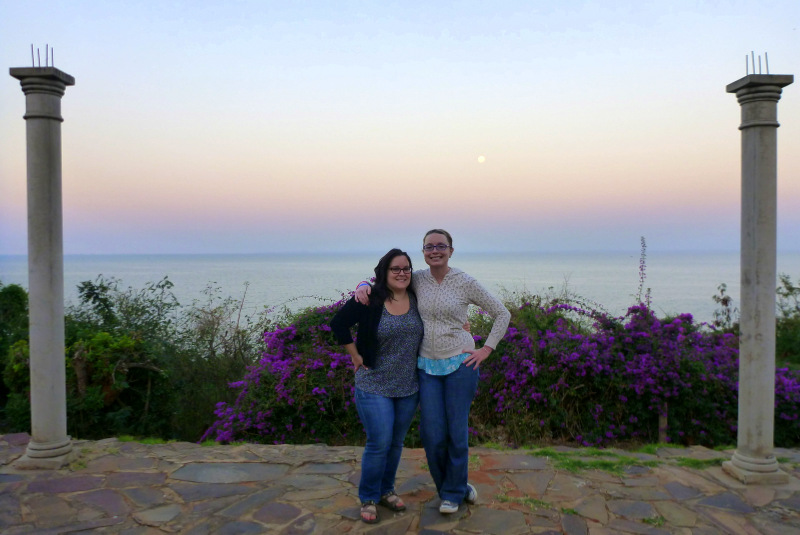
[(678, 281)]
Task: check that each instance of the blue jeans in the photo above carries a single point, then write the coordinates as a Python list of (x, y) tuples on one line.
[(386, 421), (444, 402)]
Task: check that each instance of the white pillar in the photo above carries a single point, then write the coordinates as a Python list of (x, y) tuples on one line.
[(754, 460), (50, 446)]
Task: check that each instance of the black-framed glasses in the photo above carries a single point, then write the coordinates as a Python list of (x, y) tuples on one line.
[(396, 270), (438, 247)]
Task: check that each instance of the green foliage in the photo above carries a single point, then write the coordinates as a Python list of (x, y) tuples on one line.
[(698, 464), (118, 346), (16, 374), (725, 315), (13, 315), (787, 335), (219, 342), (138, 363), (18, 411), (13, 325), (787, 323)]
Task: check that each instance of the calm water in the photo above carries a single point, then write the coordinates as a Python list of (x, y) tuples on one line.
[(679, 282)]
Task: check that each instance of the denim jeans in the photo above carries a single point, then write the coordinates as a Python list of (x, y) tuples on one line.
[(386, 421), (444, 402)]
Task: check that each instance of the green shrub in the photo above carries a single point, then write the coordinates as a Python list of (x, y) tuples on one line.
[(787, 335), (139, 364), (13, 325)]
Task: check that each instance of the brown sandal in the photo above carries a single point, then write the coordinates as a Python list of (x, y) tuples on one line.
[(369, 509), (392, 501)]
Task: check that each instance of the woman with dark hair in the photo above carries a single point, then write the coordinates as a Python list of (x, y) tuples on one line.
[(386, 386), (448, 364)]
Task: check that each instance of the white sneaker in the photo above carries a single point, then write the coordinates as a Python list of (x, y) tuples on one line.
[(472, 494), (447, 507)]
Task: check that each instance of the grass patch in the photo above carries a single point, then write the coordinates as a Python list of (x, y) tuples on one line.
[(474, 462), (568, 511), (495, 446), (576, 461), (657, 521), (652, 449), (144, 440), (531, 503), (77, 464), (698, 464)]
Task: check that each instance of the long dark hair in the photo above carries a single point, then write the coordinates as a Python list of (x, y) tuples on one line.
[(380, 290)]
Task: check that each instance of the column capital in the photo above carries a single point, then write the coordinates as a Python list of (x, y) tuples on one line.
[(43, 88), (752, 81), (44, 73), (758, 95)]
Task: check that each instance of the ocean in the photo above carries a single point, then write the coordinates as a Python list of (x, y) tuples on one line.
[(678, 282)]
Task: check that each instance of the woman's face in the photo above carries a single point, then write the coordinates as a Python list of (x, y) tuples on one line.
[(401, 279), (439, 252)]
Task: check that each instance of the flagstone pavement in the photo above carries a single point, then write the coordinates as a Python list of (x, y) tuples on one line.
[(133, 488)]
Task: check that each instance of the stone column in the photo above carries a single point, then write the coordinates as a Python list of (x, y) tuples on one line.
[(50, 446), (754, 460)]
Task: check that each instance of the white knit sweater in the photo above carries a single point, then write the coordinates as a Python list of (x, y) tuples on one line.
[(444, 307)]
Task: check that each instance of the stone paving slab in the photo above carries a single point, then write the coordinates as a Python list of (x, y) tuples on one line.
[(136, 489)]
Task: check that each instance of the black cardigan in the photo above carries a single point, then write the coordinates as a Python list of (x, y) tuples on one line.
[(367, 317)]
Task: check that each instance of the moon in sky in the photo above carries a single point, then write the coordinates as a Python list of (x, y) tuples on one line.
[(481, 158)]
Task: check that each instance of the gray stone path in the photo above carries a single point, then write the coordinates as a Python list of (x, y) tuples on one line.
[(131, 488)]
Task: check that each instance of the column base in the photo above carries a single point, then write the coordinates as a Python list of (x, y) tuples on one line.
[(49, 456), (750, 477), (48, 463)]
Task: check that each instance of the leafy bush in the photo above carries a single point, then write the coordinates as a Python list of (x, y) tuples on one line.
[(13, 324), (787, 335), (137, 363)]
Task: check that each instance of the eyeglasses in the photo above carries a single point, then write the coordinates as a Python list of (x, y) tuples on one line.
[(396, 270), (439, 247)]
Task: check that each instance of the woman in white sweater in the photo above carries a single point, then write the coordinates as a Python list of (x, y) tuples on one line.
[(448, 364)]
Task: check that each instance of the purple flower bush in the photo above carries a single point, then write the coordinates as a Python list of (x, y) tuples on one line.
[(555, 378), (301, 390), (561, 373)]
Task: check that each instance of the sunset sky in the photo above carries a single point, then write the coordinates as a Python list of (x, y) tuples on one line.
[(266, 126)]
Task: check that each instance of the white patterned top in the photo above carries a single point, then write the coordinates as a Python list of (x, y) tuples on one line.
[(444, 308)]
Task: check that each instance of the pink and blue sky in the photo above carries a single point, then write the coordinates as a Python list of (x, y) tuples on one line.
[(266, 126)]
